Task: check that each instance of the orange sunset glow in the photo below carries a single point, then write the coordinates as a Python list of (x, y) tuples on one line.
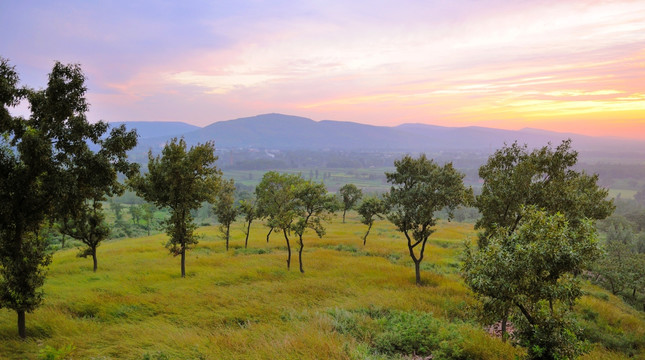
[(570, 66)]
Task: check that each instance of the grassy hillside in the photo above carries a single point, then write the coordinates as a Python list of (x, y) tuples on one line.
[(245, 304)]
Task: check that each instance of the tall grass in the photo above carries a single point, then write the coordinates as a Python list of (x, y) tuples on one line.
[(245, 304)]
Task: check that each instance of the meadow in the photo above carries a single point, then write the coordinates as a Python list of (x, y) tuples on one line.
[(245, 304)]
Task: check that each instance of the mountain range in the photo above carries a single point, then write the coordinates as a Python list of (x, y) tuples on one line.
[(286, 132)]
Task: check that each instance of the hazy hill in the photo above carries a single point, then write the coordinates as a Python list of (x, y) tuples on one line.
[(285, 132), (155, 129)]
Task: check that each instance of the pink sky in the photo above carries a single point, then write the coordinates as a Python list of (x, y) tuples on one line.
[(575, 66)]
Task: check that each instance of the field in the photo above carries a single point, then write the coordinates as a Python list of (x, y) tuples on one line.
[(245, 304)]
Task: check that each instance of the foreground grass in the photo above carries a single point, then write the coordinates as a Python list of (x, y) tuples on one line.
[(245, 304)]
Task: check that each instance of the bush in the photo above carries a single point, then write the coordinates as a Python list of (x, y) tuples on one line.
[(400, 333)]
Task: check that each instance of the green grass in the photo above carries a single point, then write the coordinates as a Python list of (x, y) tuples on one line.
[(245, 304)]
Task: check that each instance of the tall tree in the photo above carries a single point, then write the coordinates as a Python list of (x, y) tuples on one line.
[(48, 172), (248, 209), (180, 180), (350, 195), (420, 187), (225, 209), (277, 200), (313, 206), (370, 209), (515, 178)]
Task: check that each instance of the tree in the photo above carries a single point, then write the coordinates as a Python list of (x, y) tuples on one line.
[(47, 173), (180, 180), (148, 213), (277, 203), (225, 209), (90, 228), (248, 209), (420, 188), (533, 269), (117, 207), (350, 195), (514, 179), (136, 213), (313, 207), (370, 209)]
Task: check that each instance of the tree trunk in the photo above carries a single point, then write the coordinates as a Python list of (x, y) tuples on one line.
[(504, 321), (367, 233), (183, 262), (62, 242), (21, 324), (417, 269), (300, 255), (269, 234), (248, 231), (228, 228), (344, 216), (288, 249), (94, 259), (148, 228)]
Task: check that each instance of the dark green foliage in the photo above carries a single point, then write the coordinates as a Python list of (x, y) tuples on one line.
[(542, 185), (370, 209), (49, 172), (180, 180), (400, 333), (530, 273), (514, 178), (350, 195), (90, 228), (420, 188), (225, 209)]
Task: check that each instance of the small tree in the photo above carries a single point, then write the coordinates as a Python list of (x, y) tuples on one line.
[(148, 214), (88, 227), (277, 200), (225, 209), (420, 188), (533, 269), (136, 213), (248, 209), (180, 180), (350, 195), (313, 207), (370, 209)]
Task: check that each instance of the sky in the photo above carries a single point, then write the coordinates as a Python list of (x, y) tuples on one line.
[(570, 66)]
